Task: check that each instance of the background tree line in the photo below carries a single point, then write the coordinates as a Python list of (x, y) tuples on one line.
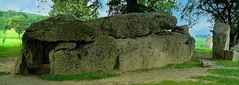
[(88, 9), (17, 20)]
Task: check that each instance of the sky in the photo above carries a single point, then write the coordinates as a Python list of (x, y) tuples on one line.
[(32, 6)]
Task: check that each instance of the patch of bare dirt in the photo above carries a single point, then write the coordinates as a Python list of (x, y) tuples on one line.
[(7, 64)]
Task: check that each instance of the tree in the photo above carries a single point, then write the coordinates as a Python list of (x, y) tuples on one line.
[(19, 23), (226, 11), (82, 9), (88, 9), (2, 23), (140, 6)]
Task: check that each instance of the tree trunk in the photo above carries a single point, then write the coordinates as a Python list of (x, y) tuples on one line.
[(131, 6), (234, 35)]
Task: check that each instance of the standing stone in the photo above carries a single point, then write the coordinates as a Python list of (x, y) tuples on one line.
[(221, 40), (233, 53), (208, 43)]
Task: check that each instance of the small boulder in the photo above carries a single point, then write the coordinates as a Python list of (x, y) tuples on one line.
[(206, 63)]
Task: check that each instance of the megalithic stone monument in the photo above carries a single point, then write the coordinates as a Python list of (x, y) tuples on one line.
[(221, 40)]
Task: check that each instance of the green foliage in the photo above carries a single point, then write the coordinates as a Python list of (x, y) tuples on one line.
[(228, 63), (227, 72), (140, 6), (17, 20), (79, 76), (88, 9), (158, 5), (79, 8), (18, 23), (3, 23)]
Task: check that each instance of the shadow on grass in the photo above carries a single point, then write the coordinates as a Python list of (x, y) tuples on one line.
[(4, 73)]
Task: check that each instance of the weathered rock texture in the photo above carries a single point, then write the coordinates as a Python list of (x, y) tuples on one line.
[(233, 53), (63, 44), (209, 42), (221, 40)]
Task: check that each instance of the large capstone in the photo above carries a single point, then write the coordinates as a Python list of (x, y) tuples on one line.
[(63, 44)]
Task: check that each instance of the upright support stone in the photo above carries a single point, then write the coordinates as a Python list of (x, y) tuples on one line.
[(221, 40), (233, 53)]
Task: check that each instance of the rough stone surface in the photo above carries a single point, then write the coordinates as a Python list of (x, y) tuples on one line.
[(206, 63), (134, 24), (209, 42), (154, 51), (63, 44), (233, 53), (184, 29), (221, 39)]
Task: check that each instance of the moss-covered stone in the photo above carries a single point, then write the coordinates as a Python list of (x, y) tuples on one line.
[(97, 56), (63, 44), (134, 24), (100, 55), (154, 51)]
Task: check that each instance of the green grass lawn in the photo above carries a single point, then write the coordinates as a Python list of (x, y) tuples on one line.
[(226, 72), (200, 49), (79, 76), (12, 45), (228, 63), (219, 80), (200, 41)]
